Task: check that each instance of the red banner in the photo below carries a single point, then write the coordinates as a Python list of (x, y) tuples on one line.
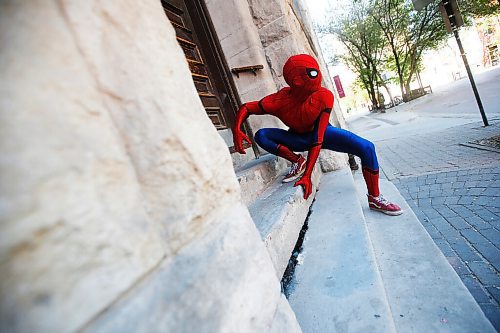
[(338, 85)]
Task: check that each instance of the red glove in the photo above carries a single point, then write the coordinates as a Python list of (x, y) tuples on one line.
[(238, 137), (313, 154), (305, 181), (243, 113), (306, 184)]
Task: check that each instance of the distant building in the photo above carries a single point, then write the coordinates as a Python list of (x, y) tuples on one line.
[(489, 33)]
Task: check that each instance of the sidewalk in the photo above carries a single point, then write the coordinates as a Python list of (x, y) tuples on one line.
[(455, 192)]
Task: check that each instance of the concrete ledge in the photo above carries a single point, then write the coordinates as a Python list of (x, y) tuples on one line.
[(279, 213), (255, 176), (337, 287), (424, 292), (482, 147)]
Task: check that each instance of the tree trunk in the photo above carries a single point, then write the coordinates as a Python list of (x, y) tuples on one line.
[(402, 87), (373, 96), (408, 91), (419, 80), (385, 87)]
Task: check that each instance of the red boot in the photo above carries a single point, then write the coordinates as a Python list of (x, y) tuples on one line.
[(375, 200), (296, 170), (381, 204), (298, 163)]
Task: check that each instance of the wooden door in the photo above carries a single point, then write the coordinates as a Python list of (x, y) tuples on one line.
[(196, 36)]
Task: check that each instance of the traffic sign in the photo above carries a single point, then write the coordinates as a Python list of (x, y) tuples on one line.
[(420, 4), (451, 15)]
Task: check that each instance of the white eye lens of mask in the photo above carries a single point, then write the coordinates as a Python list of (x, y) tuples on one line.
[(313, 73)]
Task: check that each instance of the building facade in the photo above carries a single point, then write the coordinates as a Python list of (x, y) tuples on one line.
[(123, 205)]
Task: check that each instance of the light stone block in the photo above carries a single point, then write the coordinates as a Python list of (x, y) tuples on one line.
[(257, 175), (337, 285), (220, 283), (279, 214), (274, 31), (159, 142), (252, 86), (109, 169), (283, 322), (266, 11), (72, 209), (239, 40), (332, 160), (241, 44), (233, 18)]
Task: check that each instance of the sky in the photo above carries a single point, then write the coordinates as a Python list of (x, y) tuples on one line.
[(317, 9), (320, 9), (320, 12)]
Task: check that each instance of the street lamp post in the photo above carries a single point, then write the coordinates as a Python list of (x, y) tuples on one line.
[(452, 21), (471, 78)]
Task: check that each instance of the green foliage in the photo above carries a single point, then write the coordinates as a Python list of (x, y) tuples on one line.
[(408, 34), (387, 35), (479, 8), (363, 42)]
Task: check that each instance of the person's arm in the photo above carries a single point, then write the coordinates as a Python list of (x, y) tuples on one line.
[(243, 113), (313, 153)]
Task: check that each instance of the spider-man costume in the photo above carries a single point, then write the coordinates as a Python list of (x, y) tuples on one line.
[(305, 107)]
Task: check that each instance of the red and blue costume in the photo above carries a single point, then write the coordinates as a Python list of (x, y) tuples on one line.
[(305, 107)]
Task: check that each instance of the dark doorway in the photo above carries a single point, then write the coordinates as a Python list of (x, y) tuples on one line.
[(209, 70)]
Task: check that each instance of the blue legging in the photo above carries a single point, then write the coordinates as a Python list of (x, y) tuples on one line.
[(335, 139)]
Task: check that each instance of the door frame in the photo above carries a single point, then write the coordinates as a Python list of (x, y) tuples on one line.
[(207, 36)]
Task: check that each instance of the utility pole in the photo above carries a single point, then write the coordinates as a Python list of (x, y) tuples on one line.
[(471, 78), (452, 21)]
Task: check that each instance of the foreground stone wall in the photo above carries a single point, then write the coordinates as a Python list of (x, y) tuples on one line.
[(119, 206)]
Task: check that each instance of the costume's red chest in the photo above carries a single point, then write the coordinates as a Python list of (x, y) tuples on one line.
[(300, 114)]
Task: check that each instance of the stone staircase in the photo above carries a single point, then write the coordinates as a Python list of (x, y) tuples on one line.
[(362, 271), (359, 270), (278, 210), (255, 176)]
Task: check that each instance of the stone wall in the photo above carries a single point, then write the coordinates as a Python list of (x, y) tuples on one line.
[(119, 206), (284, 29), (241, 45), (257, 32)]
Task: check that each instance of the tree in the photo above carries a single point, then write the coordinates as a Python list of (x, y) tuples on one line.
[(408, 34), (364, 44), (426, 32), (479, 8)]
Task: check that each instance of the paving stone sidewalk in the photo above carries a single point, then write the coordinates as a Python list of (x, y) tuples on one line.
[(455, 192)]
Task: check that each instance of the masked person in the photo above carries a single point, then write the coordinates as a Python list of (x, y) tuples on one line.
[(305, 107)]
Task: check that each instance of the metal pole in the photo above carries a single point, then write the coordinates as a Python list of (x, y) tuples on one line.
[(471, 78)]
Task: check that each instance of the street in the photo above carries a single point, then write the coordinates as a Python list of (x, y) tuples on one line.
[(429, 149)]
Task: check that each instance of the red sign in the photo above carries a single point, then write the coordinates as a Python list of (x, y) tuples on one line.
[(338, 85)]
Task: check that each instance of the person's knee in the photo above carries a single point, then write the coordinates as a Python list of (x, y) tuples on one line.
[(366, 149), (368, 155), (369, 147), (260, 137)]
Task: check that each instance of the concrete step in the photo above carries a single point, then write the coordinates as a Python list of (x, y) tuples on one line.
[(255, 176), (279, 214), (424, 292), (336, 286)]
